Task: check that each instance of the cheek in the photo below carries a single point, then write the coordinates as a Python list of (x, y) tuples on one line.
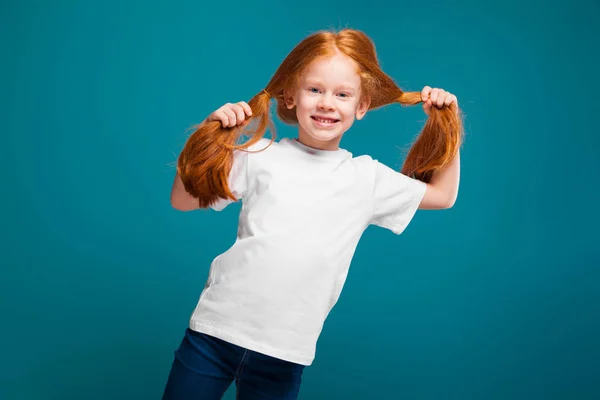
[(300, 109), (304, 109), (305, 103), (349, 111)]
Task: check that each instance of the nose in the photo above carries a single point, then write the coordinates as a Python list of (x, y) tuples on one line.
[(325, 103)]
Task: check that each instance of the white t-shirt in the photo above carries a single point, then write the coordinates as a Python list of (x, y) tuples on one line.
[(303, 213)]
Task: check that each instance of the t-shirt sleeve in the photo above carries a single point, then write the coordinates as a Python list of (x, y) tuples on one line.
[(237, 179), (396, 198)]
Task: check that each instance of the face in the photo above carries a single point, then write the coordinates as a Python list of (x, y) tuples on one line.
[(327, 101)]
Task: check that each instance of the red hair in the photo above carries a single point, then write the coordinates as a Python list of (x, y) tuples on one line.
[(207, 157)]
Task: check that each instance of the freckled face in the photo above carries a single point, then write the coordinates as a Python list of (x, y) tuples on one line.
[(327, 101)]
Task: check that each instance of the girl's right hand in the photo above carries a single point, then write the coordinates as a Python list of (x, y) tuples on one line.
[(231, 115)]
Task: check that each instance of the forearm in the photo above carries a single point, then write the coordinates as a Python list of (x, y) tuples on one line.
[(447, 179)]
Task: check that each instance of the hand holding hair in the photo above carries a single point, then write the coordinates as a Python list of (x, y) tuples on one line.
[(231, 115), (437, 97)]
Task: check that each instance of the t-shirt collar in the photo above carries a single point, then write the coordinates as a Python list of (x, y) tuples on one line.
[(317, 153)]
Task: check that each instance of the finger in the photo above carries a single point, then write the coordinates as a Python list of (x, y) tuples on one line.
[(246, 107), (449, 99), (441, 98), (427, 107), (219, 115), (239, 113), (425, 93), (231, 116), (436, 96)]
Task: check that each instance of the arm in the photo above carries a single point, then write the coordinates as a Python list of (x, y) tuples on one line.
[(442, 191), (180, 199)]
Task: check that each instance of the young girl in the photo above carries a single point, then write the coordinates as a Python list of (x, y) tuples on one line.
[(305, 204)]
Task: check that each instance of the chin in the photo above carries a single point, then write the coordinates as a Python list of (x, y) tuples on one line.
[(324, 134)]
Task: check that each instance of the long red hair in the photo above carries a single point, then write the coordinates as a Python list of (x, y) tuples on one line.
[(207, 157)]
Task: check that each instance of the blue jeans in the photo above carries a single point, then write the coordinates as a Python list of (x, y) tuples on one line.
[(205, 366)]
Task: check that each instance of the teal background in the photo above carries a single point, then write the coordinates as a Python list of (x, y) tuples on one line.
[(496, 298)]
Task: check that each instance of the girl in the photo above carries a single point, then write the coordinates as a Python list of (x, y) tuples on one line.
[(306, 203)]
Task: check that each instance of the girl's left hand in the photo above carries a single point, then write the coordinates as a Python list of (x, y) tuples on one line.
[(436, 97)]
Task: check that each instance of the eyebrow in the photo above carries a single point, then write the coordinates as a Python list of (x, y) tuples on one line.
[(319, 83)]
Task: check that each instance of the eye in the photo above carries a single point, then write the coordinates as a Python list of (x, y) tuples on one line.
[(345, 94), (312, 88)]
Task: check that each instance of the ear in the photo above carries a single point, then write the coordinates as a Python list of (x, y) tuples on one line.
[(363, 107), (290, 102)]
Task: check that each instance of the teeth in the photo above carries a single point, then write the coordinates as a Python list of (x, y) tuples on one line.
[(326, 121)]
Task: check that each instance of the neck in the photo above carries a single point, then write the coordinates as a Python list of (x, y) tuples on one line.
[(330, 145)]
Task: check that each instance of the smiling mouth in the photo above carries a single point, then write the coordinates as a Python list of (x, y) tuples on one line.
[(325, 121)]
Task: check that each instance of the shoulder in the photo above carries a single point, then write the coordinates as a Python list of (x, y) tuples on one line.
[(365, 163), (364, 159), (260, 147), (259, 153), (384, 175), (376, 167)]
